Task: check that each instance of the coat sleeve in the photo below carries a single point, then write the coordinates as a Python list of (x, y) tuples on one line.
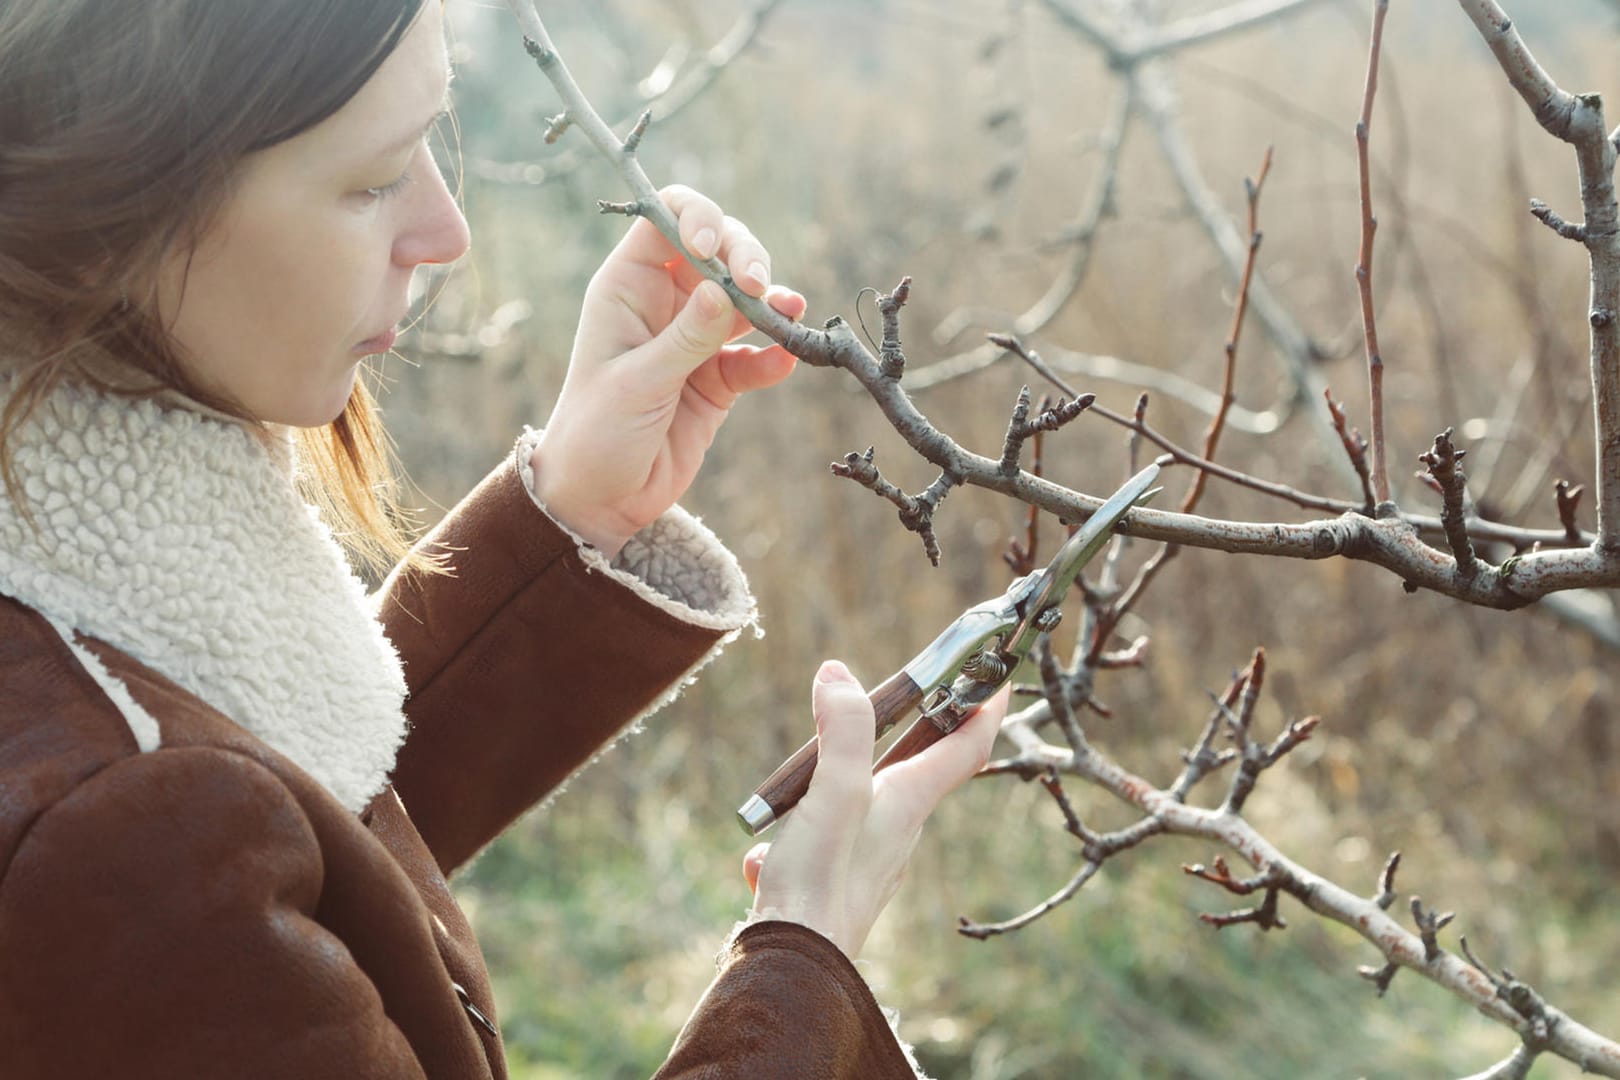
[(535, 652), (787, 1002), (158, 921)]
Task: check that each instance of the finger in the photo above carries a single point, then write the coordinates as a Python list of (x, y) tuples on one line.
[(844, 735), (698, 331), (787, 301), (744, 255), (741, 369), (753, 862), (701, 221)]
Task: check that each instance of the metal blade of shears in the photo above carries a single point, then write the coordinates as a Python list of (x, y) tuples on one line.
[(1052, 586), (1039, 601)]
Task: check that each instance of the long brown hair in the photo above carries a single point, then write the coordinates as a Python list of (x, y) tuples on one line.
[(122, 126)]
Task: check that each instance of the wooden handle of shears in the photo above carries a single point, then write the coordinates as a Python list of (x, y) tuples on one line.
[(922, 734), (783, 789)]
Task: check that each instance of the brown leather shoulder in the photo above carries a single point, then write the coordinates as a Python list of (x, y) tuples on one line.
[(57, 727)]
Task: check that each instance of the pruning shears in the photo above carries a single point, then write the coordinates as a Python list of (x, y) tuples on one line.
[(967, 663)]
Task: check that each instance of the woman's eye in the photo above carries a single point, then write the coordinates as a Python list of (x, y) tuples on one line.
[(383, 192)]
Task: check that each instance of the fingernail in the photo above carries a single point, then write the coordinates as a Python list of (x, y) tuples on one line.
[(757, 271), (833, 671), (705, 243)]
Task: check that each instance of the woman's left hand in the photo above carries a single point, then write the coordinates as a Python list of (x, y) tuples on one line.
[(652, 376)]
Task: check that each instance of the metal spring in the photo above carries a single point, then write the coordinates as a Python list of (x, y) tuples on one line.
[(986, 667)]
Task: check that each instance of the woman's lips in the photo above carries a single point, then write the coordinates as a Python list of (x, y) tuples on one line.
[(379, 344)]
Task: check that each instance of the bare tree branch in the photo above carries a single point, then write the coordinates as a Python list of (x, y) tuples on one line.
[(671, 91), (1515, 1067), (1355, 448), (1578, 120), (1400, 947), (1301, 355), (916, 511), (1081, 236), (1213, 25), (1394, 544), (1369, 225), (1164, 383), (1212, 436), (1130, 45)]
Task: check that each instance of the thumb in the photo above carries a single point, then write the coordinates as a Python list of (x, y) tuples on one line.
[(696, 333), (844, 724), (753, 863)]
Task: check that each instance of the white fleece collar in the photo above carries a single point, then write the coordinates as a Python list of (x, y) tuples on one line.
[(180, 539)]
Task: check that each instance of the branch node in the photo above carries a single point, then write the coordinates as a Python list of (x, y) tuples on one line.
[(1523, 999), (556, 125), (542, 55)]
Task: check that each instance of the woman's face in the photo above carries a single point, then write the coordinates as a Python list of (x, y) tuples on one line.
[(307, 268)]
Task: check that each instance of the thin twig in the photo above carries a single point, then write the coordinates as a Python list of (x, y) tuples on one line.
[(1445, 469), (1569, 501), (969, 928), (1240, 308), (1549, 217), (1355, 448), (916, 511), (1369, 225), (1429, 924)]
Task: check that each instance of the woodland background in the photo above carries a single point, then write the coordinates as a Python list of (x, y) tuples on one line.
[(852, 136)]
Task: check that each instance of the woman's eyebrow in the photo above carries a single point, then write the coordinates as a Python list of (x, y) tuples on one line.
[(412, 137), (409, 139)]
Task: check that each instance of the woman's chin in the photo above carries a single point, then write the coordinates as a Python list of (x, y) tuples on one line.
[(316, 412)]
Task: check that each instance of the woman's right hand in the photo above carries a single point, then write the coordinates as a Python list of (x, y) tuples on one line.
[(838, 858)]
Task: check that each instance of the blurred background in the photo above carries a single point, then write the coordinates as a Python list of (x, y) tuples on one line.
[(961, 142)]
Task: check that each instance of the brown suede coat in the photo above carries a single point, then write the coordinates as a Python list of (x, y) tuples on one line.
[(208, 910)]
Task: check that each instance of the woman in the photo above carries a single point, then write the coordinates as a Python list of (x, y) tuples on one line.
[(232, 785)]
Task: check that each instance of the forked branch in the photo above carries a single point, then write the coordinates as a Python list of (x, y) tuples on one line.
[(1166, 812)]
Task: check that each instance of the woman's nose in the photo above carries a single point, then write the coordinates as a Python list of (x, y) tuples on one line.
[(435, 230)]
